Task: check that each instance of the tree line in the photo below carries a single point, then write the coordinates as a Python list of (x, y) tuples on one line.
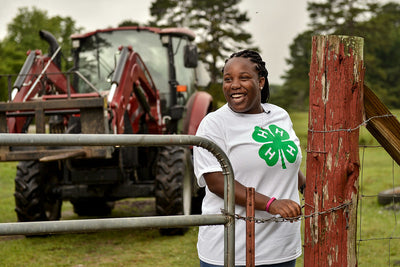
[(378, 24), (219, 28)]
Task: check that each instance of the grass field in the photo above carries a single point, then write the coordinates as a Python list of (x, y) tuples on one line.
[(146, 247), (139, 247)]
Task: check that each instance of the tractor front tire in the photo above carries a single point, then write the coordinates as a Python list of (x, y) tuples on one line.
[(173, 188), (34, 197)]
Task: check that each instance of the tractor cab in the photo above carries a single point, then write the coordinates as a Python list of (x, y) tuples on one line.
[(170, 60)]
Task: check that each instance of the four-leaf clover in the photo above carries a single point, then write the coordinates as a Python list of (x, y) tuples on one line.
[(277, 145)]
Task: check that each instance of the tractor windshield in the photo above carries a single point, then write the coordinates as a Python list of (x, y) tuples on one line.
[(98, 55)]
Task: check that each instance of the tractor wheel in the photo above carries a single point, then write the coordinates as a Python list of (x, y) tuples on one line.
[(92, 207), (173, 188), (34, 197)]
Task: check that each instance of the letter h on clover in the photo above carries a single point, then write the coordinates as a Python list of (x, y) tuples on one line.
[(277, 145)]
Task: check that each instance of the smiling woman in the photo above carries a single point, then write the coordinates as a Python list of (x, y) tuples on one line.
[(265, 154)]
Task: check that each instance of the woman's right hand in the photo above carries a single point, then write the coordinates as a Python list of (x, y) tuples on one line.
[(285, 207)]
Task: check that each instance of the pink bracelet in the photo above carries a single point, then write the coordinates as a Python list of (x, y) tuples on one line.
[(272, 199)]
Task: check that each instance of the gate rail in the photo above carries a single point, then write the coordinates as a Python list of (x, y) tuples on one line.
[(94, 225)]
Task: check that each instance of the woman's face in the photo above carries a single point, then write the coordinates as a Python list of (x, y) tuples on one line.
[(242, 86)]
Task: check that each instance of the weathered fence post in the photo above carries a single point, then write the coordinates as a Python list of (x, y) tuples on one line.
[(335, 114), (250, 228)]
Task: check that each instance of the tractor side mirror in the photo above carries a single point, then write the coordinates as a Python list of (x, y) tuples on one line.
[(190, 57)]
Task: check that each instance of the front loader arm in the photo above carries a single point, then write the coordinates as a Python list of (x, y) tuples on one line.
[(38, 76), (133, 91)]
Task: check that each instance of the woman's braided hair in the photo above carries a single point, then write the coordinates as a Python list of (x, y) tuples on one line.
[(260, 67)]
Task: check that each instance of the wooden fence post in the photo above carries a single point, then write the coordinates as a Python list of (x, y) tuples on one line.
[(335, 114)]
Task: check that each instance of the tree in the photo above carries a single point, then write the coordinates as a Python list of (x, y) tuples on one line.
[(128, 23), (10, 63), (218, 26), (382, 54), (23, 31), (170, 13), (338, 15), (294, 92), (225, 34), (378, 25)]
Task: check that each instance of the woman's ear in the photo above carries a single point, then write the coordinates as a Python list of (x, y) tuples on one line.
[(261, 82)]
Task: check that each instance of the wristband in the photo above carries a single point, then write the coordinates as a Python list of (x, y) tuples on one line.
[(272, 199)]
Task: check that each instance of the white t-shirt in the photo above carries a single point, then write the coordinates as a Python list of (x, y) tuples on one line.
[(265, 154)]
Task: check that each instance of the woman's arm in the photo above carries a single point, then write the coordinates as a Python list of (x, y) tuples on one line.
[(285, 207)]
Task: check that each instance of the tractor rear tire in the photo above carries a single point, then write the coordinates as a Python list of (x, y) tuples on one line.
[(173, 188), (34, 197)]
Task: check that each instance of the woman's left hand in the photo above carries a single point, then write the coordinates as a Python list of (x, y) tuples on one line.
[(286, 208)]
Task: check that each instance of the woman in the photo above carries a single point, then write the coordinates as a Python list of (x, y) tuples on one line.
[(265, 154)]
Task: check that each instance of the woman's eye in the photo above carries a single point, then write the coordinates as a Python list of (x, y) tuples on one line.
[(244, 78), (227, 79)]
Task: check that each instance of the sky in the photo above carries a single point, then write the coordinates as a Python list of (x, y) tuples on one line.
[(273, 23)]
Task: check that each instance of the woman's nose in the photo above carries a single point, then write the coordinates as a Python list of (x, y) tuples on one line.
[(235, 84)]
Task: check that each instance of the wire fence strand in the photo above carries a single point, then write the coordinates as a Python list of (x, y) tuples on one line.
[(352, 129), (289, 219)]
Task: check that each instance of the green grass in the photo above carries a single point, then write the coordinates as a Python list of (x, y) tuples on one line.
[(116, 248), (146, 247), (139, 247)]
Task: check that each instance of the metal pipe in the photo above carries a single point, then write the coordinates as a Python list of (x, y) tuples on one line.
[(24, 71), (140, 140), (119, 69), (96, 225), (9, 90), (53, 46), (87, 82)]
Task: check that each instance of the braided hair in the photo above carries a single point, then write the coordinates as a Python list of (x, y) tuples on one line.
[(260, 67)]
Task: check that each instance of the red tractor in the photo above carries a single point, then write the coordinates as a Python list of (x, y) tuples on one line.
[(128, 80)]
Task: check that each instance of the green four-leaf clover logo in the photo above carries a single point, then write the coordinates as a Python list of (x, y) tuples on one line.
[(277, 145)]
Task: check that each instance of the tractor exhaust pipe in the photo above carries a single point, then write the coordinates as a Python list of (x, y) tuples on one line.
[(51, 40)]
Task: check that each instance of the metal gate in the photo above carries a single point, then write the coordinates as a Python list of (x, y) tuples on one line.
[(93, 225)]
